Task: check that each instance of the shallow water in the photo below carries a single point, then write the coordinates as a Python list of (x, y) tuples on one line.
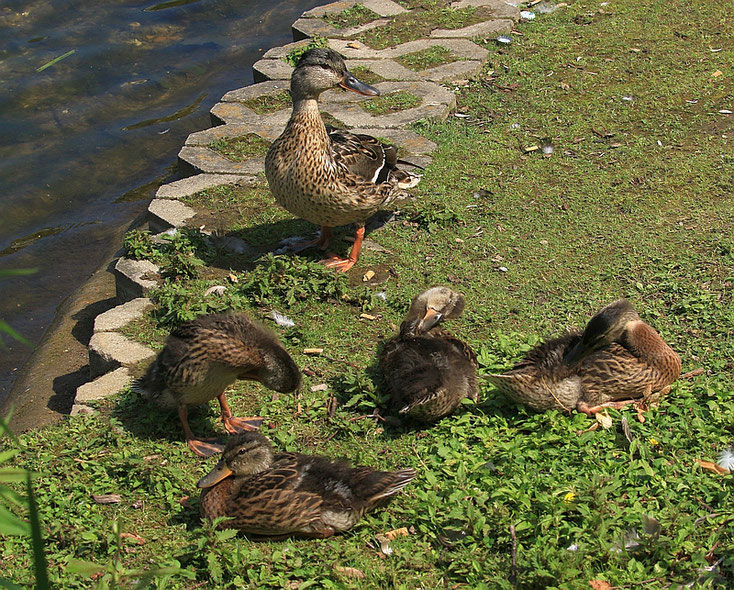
[(81, 138)]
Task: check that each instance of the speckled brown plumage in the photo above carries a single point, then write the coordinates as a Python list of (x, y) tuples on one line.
[(204, 356), (330, 178), (427, 370), (617, 359), (292, 494)]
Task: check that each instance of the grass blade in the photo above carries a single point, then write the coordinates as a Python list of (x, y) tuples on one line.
[(56, 60), (39, 558)]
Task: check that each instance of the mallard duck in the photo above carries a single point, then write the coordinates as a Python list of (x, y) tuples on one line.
[(618, 359), (284, 494), (427, 371), (331, 178), (204, 356)]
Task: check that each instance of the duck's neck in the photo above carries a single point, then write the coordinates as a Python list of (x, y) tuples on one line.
[(306, 117)]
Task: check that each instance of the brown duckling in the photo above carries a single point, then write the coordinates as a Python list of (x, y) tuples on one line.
[(204, 356), (283, 494), (618, 359), (331, 178), (428, 371)]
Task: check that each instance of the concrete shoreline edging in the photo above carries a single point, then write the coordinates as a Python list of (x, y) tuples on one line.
[(111, 355)]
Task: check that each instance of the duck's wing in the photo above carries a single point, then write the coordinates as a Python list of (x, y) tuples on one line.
[(271, 504), (376, 485), (369, 159)]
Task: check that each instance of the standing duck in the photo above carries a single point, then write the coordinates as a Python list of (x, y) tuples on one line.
[(203, 357), (283, 494), (428, 371), (618, 359), (331, 178)]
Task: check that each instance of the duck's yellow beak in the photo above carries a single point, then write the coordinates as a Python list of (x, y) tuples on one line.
[(216, 475), (349, 82)]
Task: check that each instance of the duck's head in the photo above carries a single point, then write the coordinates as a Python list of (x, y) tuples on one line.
[(273, 366), (322, 69), (431, 307), (607, 326), (246, 454)]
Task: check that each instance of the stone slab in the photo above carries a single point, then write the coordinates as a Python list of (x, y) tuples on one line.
[(103, 387), (268, 88), (120, 316), (236, 112), (459, 46), (436, 102), (110, 350), (381, 7), (248, 125), (194, 184), (134, 278), (485, 29), (167, 213), (77, 409), (203, 159), (305, 28), (499, 8), (270, 69)]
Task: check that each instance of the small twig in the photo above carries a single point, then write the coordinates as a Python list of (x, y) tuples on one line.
[(372, 415), (650, 581), (513, 570), (694, 373)]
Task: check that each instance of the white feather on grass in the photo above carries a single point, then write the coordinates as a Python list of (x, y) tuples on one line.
[(726, 459), (282, 320)]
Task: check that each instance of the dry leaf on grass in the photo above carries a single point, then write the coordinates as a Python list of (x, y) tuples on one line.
[(313, 350), (604, 419), (136, 538), (713, 467), (350, 572), (600, 584), (107, 498), (395, 533)]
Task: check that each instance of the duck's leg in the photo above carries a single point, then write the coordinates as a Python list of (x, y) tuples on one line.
[(236, 425), (204, 447), (322, 242), (591, 410), (344, 264)]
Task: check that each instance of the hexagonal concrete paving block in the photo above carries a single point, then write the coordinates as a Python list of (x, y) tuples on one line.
[(103, 387), (436, 102), (164, 214), (487, 28), (134, 278), (204, 159), (191, 185), (110, 350), (117, 317)]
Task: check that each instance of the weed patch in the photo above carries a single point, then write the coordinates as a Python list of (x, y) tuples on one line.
[(351, 17), (394, 102), (270, 103), (426, 58), (238, 149)]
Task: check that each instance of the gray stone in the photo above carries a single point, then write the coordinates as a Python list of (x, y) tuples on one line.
[(194, 184), (381, 7), (268, 88), (203, 159), (103, 387), (229, 131), (485, 29), (305, 28), (237, 113), (110, 350), (271, 69), (134, 278), (499, 8), (460, 47), (436, 102), (120, 316), (166, 213)]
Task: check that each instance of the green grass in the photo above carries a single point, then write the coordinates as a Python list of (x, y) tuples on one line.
[(366, 75), (295, 54), (418, 23), (388, 103), (264, 105), (242, 148), (646, 220), (426, 58), (351, 17)]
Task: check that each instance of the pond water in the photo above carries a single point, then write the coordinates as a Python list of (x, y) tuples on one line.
[(82, 140)]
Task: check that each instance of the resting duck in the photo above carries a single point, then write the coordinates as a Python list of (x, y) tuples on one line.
[(617, 360), (427, 371), (203, 357), (331, 178), (284, 494)]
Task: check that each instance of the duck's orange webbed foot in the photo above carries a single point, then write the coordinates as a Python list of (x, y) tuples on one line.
[(322, 242), (591, 410), (205, 447), (237, 425), (339, 263)]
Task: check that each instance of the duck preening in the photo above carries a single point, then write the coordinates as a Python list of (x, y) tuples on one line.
[(203, 357), (280, 494), (332, 177), (428, 371), (617, 360)]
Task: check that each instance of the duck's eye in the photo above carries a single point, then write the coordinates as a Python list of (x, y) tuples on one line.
[(242, 451)]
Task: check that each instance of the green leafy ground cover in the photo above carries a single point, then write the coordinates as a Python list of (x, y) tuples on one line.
[(634, 201), (426, 58), (351, 17)]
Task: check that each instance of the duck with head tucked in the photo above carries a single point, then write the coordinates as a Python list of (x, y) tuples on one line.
[(617, 360), (205, 356), (282, 494), (332, 177), (428, 371)]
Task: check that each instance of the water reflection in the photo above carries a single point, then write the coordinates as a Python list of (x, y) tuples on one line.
[(82, 141)]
